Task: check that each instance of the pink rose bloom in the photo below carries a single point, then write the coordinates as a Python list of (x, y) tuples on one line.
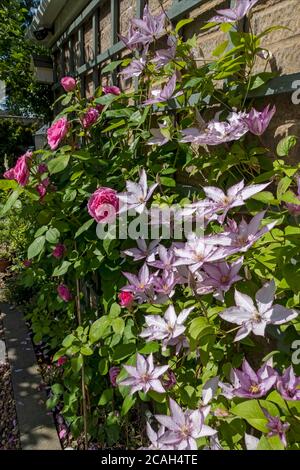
[(61, 361), (100, 107), (20, 172), (59, 251), (113, 374), (57, 132), (114, 90), (68, 83), (64, 293), (9, 174), (42, 187), (42, 168), (103, 205), (126, 299), (90, 118)]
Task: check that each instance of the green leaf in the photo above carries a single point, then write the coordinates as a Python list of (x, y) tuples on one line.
[(118, 325), (264, 196), (183, 23), (57, 389), (58, 164), (36, 247), (14, 196), (169, 182), (283, 186), (106, 397), (84, 227), (8, 184), (270, 443), (123, 350), (112, 66), (62, 269), (103, 366), (285, 145), (106, 99), (68, 341), (149, 348), (127, 404), (115, 125), (220, 49), (115, 310), (86, 351), (199, 328), (76, 364), (52, 236), (99, 329), (251, 411)]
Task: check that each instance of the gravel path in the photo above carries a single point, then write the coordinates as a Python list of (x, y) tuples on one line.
[(9, 432)]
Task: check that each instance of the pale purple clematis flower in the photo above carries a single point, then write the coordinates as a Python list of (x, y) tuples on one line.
[(137, 194), (143, 251), (196, 252), (276, 426), (251, 442), (133, 40), (164, 94), (145, 376), (167, 328), (164, 286), (214, 444), (220, 277), (239, 238), (294, 209), (160, 137), (166, 259), (217, 132), (257, 121), (150, 27), (139, 285), (154, 438), (249, 384), (232, 15), (288, 385), (134, 69), (209, 390), (255, 318), (164, 56), (234, 197), (184, 427)]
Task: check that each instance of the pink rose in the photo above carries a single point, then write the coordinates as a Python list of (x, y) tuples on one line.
[(90, 117), (59, 251), (9, 174), (103, 205), (20, 172), (100, 107), (113, 374), (114, 90), (42, 168), (61, 361), (57, 132), (64, 293), (68, 83), (126, 299), (42, 187)]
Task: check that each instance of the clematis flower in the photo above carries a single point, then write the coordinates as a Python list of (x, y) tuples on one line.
[(134, 69), (232, 15), (257, 121), (288, 385), (276, 426), (196, 252), (166, 328), (150, 27), (209, 390), (145, 376), (184, 427), (137, 194), (294, 209), (113, 374), (247, 383), (214, 444), (234, 197), (164, 94), (166, 259), (239, 238), (113, 90), (143, 251), (164, 56), (170, 381), (139, 285), (217, 132), (164, 286), (219, 278), (251, 442), (160, 137), (253, 318), (133, 40), (154, 438)]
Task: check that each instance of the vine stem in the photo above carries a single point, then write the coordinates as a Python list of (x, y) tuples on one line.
[(84, 398)]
